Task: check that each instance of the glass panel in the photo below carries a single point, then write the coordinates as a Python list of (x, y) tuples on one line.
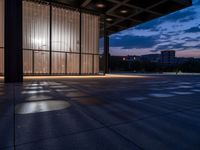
[(1, 36), (65, 30), (58, 63), (72, 63), (96, 64), (65, 40), (28, 61), (90, 39), (87, 64), (36, 26), (41, 62), (1, 61), (90, 34)]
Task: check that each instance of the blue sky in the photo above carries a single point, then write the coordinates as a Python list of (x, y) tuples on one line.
[(179, 31)]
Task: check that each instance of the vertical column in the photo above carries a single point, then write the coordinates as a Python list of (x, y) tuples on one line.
[(13, 41), (106, 53), (106, 49)]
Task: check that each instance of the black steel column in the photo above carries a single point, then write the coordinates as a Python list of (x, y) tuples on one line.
[(33, 62), (13, 41), (106, 49)]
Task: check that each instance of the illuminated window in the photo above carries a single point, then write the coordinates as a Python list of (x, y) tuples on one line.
[(64, 56)]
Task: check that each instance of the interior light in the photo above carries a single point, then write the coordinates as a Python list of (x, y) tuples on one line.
[(124, 11), (108, 19), (100, 5)]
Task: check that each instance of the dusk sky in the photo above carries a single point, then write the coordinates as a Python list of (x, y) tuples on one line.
[(178, 31)]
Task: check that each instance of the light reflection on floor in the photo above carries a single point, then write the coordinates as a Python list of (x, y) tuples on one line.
[(41, 106), (35, 91), (58, 86), (182, 93), (171, 88), (38, 97), (161, 95), (196, 90), (185, 87), (136, 98), (33, 88)]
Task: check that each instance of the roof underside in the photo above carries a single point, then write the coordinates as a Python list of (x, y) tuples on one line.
[(123, 14)]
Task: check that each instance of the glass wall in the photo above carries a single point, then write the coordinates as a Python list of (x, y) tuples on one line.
[(36, 35), (90, 46), (61, 51), (65, 41), (1, 37)]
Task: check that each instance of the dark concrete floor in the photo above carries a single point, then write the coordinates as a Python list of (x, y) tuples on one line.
[(101, 113)]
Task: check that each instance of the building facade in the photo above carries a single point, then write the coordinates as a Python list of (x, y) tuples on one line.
[(56, 40), (168, 57)]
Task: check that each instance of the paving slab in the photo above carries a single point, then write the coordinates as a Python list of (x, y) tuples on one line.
[(102, 139), (179, 131)]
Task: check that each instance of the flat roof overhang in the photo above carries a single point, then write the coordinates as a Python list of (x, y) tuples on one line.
[(123, 14)]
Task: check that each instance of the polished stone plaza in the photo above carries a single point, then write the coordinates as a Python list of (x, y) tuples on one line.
[(115, 112)]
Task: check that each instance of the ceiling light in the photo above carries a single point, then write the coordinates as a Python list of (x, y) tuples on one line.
[(100, 5), (108, 19), (124, 11)]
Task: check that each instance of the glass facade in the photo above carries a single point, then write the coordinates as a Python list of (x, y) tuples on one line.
[(65, 41), (59, 40), (36, 38), (89, 43), (1, 37)]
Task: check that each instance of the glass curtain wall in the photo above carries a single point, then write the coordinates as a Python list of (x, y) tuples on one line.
[(90, 45), (1, 37), (65, 41), (64, 55), (36, 35)]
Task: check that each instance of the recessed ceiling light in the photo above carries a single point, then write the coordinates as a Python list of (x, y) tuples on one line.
[(124, 11), (108, 19), (100, 5)]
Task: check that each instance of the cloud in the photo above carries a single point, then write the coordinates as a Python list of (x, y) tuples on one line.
[(178, 31), (193, 29), (196, 2), (181, 16), (119, 51), (129, 41), (136, 32)]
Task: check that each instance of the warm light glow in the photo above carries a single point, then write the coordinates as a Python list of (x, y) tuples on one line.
[(86, 77), (40, 42), (65, 40), (124, 11), (108, 19), (100, 5)]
